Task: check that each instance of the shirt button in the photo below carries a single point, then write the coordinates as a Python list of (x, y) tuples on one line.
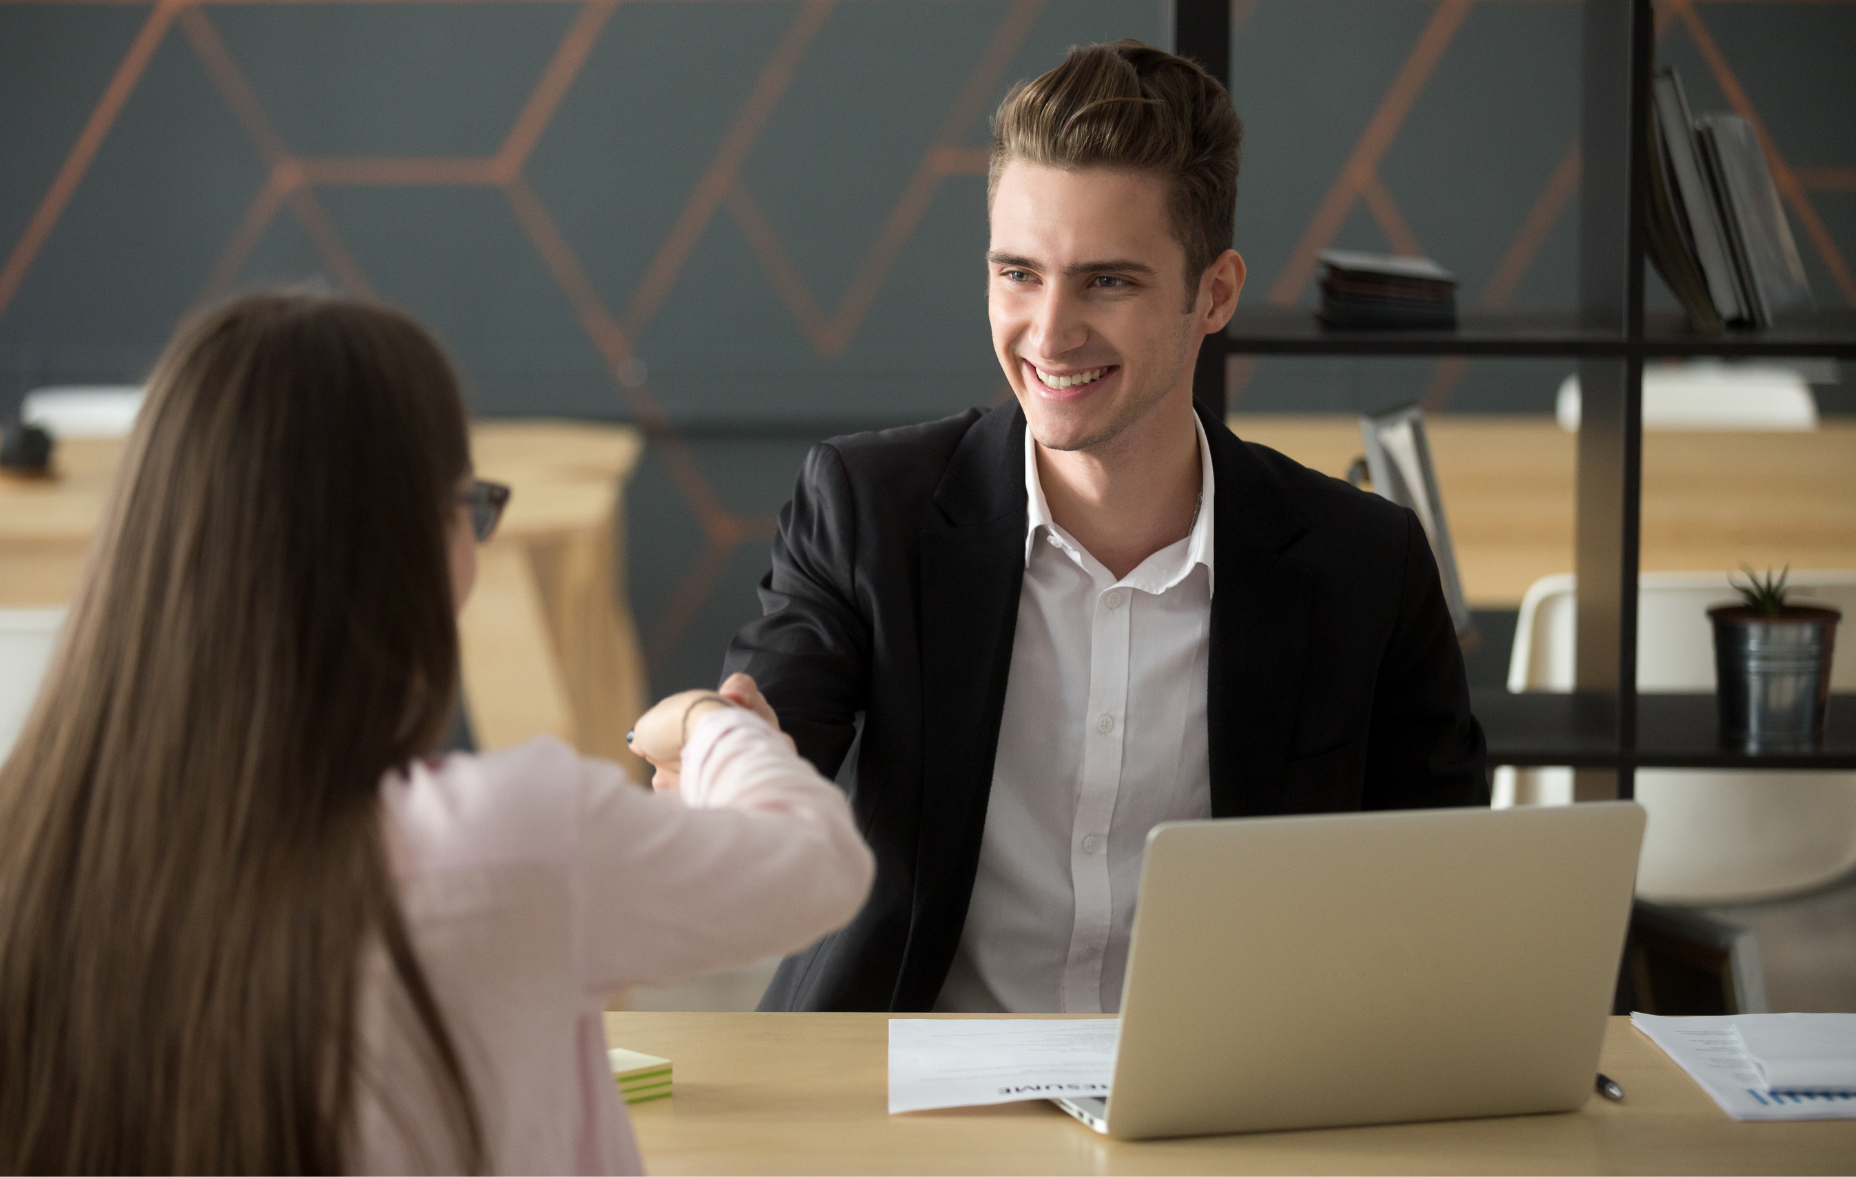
[(1106, 724), (1112, 600), (1091, 844)]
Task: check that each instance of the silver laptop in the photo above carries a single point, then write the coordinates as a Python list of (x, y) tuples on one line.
[(1367, 968)]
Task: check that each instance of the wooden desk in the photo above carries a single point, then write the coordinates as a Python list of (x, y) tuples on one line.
[(806, 1093), (547, 640), (1710, 499)]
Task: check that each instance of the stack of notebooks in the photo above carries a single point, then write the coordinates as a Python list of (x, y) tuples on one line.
[(1365, 290), (641, 1077), (1716, 230)]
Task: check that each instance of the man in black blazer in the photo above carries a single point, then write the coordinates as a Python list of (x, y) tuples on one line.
[(1004, 634)]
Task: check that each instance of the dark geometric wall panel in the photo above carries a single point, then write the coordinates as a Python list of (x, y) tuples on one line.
[(393, 79), (746, 223)]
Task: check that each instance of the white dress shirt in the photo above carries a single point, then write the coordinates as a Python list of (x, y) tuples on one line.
[(1103, 736)]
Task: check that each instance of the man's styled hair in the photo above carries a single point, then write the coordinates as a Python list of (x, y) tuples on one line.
[(1131, 107)]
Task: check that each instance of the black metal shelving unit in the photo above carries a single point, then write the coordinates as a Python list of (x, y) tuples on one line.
[(1673, 731), (1605, 726), (1271, 330)]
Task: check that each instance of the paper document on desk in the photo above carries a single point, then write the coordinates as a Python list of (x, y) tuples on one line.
[(1713, 1054), (1802, 1052), (949, 1063)]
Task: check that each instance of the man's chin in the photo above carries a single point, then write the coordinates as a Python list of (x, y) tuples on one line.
[(1070, 436)]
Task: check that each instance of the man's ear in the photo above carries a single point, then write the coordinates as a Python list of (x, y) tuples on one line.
[(1218, 290)]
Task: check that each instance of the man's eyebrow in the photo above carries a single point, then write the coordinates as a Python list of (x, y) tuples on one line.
[(1012, 259), (1109, 266)]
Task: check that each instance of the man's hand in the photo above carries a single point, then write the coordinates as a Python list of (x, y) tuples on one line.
[(660, 733), (743, 691)]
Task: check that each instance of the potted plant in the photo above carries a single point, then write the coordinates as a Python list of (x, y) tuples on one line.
[(1772, 665)]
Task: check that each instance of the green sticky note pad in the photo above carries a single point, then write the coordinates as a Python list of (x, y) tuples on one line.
[(641, 1077)]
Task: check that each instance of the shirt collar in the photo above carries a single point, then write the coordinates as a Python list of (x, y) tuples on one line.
[(1199, 542)]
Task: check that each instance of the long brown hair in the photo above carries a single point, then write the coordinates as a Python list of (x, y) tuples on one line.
[(192, 860)]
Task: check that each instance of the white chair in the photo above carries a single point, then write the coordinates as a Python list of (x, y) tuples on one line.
[(26, 640), (1715, 835), (83, 411), (1707, 394)]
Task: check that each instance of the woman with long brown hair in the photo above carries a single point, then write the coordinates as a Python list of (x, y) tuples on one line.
[(247, 922)]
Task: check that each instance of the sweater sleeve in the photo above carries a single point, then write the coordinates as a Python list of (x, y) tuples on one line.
[(758, 856)]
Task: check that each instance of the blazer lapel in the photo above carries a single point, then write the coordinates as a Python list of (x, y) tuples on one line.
[(1260, 620), (972, 567)]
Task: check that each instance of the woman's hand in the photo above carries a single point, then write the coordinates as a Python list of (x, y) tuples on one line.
[(660, 733)]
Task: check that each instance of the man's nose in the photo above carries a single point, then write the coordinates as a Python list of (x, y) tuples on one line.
[(1057, 325)]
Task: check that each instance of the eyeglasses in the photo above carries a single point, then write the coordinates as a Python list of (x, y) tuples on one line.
[(486, 501)]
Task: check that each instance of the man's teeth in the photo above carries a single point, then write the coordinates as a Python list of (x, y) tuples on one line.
[(1070, 381)]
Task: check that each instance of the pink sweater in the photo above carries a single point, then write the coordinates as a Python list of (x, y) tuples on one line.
[(537, 883)]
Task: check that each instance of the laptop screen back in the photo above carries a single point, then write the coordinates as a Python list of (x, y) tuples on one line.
[(1365, 968)]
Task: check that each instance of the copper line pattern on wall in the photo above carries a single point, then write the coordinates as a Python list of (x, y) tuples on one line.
[(692, 591), (941, 159), (1391, 222), (1358, 172), (576, 46), (780, 269), (830, 336), (289, 178), (1825, 179), (615, 348), (278, 185), (77, 161), (1359, 175), (720, 176), (1562, 185)]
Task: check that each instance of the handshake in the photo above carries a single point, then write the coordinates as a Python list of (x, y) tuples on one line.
[(661, 732)]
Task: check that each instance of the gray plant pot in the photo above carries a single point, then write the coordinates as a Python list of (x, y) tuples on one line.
[(1772, 675)]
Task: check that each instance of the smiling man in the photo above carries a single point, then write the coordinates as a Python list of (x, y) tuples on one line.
[(1036, 632)]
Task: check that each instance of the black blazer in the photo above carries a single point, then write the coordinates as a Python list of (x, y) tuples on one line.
[(1335, 681)]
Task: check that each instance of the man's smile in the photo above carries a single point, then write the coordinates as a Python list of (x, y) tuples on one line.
[(1054, 381)]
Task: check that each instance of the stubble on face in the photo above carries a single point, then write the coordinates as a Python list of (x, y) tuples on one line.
[(1134, 406)]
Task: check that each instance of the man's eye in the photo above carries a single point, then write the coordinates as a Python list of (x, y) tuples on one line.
[(1015, 275), (1109, 282)]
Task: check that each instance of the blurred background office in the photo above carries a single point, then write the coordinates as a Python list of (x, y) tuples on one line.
[(741, 226)]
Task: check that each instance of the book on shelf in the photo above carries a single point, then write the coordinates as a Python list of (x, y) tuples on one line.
[(1714, 228), (1772, 279), (1672, 250), (1373, 290), (1691, 203)]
